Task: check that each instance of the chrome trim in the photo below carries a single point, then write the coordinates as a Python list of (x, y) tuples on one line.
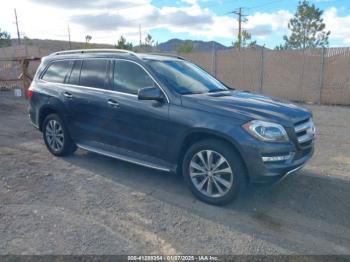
[(303, 126), (310, 129), (294, 170), (86, 51), (305, 138), (144, 55), (290, 172), (123, 158), (101, 89), (286, 157)]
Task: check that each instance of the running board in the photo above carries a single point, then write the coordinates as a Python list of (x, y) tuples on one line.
[(124, 158)]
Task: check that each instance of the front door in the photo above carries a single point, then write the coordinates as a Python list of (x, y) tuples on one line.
[(138, 126)]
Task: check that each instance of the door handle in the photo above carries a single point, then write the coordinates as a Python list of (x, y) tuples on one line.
[(113, 103), (68, 95)]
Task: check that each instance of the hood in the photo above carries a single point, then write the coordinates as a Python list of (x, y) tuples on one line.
[(247, 106)]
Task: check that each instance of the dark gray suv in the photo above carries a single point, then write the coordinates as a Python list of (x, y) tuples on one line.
[(166, 113)]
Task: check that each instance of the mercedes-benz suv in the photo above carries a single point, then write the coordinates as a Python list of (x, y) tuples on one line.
[(166, 113)]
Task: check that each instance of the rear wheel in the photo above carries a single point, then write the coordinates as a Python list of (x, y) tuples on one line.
[(56, 136), (213, 171)]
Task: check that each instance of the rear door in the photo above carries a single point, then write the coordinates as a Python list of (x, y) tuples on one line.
[(86, 95)]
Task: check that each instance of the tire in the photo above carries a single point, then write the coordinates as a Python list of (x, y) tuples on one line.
[(60, 143), (231, 185)]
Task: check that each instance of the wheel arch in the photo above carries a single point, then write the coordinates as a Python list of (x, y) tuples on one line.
[(43, 113), (202, 134), (53, 106)]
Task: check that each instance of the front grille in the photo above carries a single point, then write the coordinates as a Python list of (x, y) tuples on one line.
[(305, 131)]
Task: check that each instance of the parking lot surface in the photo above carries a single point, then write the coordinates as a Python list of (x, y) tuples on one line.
[(91, 204)]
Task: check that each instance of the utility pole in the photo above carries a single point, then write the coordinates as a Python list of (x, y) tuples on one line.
[(19, 38), (238, 12), (140, 34), (70, 44)]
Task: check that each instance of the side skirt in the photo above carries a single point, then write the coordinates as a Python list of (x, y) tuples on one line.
[(127, 158)]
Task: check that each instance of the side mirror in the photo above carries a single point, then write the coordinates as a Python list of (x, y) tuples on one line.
[(150, 93)]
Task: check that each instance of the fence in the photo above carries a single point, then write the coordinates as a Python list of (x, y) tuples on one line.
[(314, 75), (17, 66)]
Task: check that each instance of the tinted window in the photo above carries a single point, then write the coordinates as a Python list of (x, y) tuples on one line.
[(130, 77), (57, 71), (94, 73), (74, 75), (185, 77)]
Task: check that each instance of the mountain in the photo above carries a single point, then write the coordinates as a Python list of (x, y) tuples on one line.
[(198, 45), (47, 46)]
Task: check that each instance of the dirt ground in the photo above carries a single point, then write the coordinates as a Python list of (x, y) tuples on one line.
[(90, 204)]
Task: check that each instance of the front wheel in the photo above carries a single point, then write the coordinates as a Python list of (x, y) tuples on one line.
[(56, 136), (213, 171)]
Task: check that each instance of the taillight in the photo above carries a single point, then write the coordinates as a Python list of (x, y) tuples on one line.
[(29, 93)]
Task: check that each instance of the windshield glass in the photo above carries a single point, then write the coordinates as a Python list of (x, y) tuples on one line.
[(185, 78)]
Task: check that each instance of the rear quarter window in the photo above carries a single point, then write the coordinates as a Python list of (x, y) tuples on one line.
[(57, 71)]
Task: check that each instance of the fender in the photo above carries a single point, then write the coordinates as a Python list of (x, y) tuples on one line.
[(56, 105), (209, 133)]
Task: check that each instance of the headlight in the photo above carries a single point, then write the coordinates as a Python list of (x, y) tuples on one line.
[(266, 131)]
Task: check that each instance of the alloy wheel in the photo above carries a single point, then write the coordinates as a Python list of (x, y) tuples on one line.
[(211, 173), (54, 135)]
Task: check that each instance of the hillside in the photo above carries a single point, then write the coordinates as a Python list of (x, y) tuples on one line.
[(47, 46), (198, 45)]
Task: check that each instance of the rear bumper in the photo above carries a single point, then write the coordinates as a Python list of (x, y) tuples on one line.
[(32, 122)]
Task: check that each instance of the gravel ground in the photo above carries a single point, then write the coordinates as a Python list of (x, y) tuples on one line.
[(90, 204)]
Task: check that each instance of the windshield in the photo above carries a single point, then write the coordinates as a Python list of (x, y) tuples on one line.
[(185, 78)]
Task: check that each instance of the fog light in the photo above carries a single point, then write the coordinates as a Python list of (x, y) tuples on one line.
[(276, 158)]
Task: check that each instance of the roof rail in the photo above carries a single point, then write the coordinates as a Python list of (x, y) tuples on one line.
[(165, 54), (86, 51)]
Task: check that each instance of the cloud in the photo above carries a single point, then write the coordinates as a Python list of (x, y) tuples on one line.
[(178, 19), (91, 4), (277, 21), (125, 16), (339, 26), (106, 20)]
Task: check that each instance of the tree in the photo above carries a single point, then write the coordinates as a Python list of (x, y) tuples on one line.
[(149, 40), (307, 28), (5, 39), (185, 47), (27, 40), (87, 41), (122, 44), (281, 47), (245, 40)]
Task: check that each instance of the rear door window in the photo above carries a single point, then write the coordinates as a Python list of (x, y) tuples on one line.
[(94, 73), (57, 71), (75, 74)]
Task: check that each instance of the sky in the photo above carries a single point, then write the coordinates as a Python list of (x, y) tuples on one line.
[(107, 20)]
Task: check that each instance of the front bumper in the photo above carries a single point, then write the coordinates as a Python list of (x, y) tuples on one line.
[(272, 171)]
